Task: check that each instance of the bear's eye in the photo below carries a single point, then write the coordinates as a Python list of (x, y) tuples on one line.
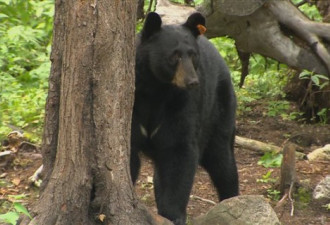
[(175, 58), (194, 58)]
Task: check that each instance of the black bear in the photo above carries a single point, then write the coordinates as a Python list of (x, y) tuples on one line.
[(184, 113)]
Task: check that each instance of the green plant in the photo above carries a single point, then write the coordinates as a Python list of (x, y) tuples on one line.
[(15, 210), (276, 108), (266, 178), (270, 159), (303, 197), (318, 80), (273, 194), (293, 116), (322, 114)]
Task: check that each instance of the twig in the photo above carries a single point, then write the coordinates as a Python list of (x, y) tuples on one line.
[(290, 198), (34, 179), (5, 153), (203, 199), (282, 201)]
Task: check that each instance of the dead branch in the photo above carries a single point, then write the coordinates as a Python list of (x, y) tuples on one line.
[(260, 31), (202, 199), (4, 153), (307, 30), (262, 147), (290, 198)]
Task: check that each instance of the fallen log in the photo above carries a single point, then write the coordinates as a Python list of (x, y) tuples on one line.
[(262, 147)]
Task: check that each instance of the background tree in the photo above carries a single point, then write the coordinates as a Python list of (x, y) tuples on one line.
[(88, 115)]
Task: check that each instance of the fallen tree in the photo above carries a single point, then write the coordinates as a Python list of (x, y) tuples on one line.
[(276, 29), (262, 147)]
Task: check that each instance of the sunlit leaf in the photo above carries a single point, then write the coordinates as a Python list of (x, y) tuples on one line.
[(21, 209), (9, 217)]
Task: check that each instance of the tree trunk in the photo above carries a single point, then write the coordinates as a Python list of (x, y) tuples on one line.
[(88, 117)]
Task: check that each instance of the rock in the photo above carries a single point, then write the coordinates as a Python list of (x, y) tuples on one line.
[(320, 154), (240, 210), (322, 189)]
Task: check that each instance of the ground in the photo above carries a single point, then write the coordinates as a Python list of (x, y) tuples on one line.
[(255, 125)]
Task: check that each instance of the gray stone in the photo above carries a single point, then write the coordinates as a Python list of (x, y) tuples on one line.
[(240, 210), (320, 154), (322, 189)]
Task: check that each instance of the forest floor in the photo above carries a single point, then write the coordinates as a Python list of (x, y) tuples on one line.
[(255, 125)]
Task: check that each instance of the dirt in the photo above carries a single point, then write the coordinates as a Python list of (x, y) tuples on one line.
[(255, 125)]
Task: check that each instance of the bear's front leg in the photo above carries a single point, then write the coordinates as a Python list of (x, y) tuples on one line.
[(173, 180)]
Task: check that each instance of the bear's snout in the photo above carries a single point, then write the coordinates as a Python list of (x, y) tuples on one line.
[(193, 82)]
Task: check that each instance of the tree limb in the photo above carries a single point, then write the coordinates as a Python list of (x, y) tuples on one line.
[(303, 27), (262, 147), (260, 32)]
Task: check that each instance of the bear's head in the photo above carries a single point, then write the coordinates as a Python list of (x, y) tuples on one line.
[(171, 52)]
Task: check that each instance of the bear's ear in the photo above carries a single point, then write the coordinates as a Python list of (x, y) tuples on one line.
[(196, 23), (151, 25)]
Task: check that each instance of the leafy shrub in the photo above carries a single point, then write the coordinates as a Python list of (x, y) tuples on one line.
[(25, 30)]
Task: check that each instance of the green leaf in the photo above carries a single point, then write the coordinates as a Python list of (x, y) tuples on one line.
[(21, 209), (305, 75), (323, 85), (270, 159), (316, 80), (9, 217), (322, 76), (5, 1), (3, 16)]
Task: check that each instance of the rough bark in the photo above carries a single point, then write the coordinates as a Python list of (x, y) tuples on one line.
[(50, 135), (87, 129), (288, 168)]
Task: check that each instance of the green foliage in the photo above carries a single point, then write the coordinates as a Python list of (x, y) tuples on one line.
[(15, 210), (9, 217), (327, 206), (266, 178), (266, 78), (303, 197), (25, 30), (318, 80), (276, 108), (271, 160), (273, 194), (309, 10), (323, 115)]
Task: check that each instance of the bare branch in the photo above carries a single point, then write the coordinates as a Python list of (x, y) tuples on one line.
[(303, 27)]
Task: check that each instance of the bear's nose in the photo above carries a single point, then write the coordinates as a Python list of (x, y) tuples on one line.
[(193, 83)]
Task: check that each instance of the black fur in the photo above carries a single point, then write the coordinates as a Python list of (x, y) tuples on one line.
[(179, 128)]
